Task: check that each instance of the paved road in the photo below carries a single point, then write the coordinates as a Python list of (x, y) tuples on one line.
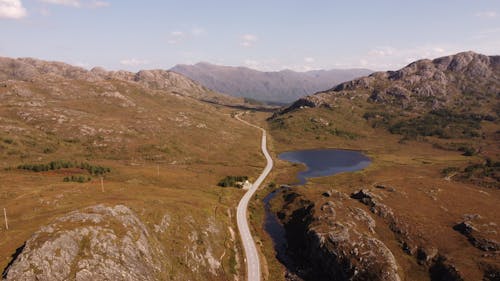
[(251, 255)]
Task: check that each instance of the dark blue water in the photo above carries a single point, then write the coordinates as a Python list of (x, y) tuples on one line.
[(319, 163), (326, 162)]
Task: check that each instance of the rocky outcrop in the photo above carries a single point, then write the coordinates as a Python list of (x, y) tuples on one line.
[(401, 229), (332, 247), (96, 243), (420, 86), (31, 70), (442, 270), (479, 234), (307, 102), (426, 254)]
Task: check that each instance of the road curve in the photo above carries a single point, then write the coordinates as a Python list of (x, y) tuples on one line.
[(251, 254)]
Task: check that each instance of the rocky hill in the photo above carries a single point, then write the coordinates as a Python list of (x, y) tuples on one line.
[(463, 81), (425, 208), (33, 70), (153, 144), (95, 243), (281, 86)]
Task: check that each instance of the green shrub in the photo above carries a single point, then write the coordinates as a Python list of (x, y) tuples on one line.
[(77, 178), (343, 134), (441, 123), (449, 170), (8, 141), (231, 181), (60, 164), (467, 150)]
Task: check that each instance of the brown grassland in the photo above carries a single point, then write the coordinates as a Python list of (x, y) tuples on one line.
[(429, 202), (166, 153)]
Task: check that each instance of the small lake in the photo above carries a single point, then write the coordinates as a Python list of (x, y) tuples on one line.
[(319, 163), (326, 162)]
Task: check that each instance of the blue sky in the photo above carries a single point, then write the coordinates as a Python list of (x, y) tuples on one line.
[(265, 35)]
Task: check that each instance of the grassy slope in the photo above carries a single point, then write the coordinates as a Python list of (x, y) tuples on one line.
[(193, 144), (424, 198)]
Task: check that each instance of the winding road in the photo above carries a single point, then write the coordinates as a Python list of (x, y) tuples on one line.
[(251, 254)]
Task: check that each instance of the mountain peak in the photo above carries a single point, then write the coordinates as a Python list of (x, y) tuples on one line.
[(421, 85), (274, 86)]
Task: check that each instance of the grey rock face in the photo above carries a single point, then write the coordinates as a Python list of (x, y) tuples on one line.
[(96, 243), (421, 85), (338, 247), (479, 235), (29, 69)]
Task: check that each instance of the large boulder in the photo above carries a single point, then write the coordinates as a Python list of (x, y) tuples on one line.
[(96, 243)]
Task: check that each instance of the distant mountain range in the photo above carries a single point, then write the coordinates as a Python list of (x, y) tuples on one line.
[(281, 87)]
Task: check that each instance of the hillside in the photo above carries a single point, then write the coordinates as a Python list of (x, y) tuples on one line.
[(282, 86), (425, 208), (132, 161), (33, 70), (447, 97)]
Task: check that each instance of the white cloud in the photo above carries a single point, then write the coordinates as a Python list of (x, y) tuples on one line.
[(251, 63), (79, 3), (82, 64), (12, 9), (99, 4), (179, 36), (246, 44), (382, 51), (486, 14), (272, 64), (196, 31), (177, 33), (388, 57), (249, 37), (133, 62), (176, 37), (248, 40), (72, 3), (309, 59)]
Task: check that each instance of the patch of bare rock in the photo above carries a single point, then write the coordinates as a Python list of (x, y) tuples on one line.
[(96, 243), (329, 246)]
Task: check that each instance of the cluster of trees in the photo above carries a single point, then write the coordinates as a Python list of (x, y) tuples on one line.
[(232, 181), (77, 178), (486, 174), (441, 123), (61, 164), (378, 118), (343, 134), (488, 169)]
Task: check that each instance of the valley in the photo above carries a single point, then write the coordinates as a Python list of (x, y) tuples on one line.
[(165, 157), (116, 175)]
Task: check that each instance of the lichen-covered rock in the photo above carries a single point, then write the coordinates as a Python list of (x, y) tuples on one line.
[(336, 247), (96, 243), (481, 236), (420, 86)]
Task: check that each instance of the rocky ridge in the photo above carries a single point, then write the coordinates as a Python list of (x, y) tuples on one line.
[(421, 86), (36, 71)]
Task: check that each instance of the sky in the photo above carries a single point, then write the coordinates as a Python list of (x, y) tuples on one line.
[(267, 35)]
